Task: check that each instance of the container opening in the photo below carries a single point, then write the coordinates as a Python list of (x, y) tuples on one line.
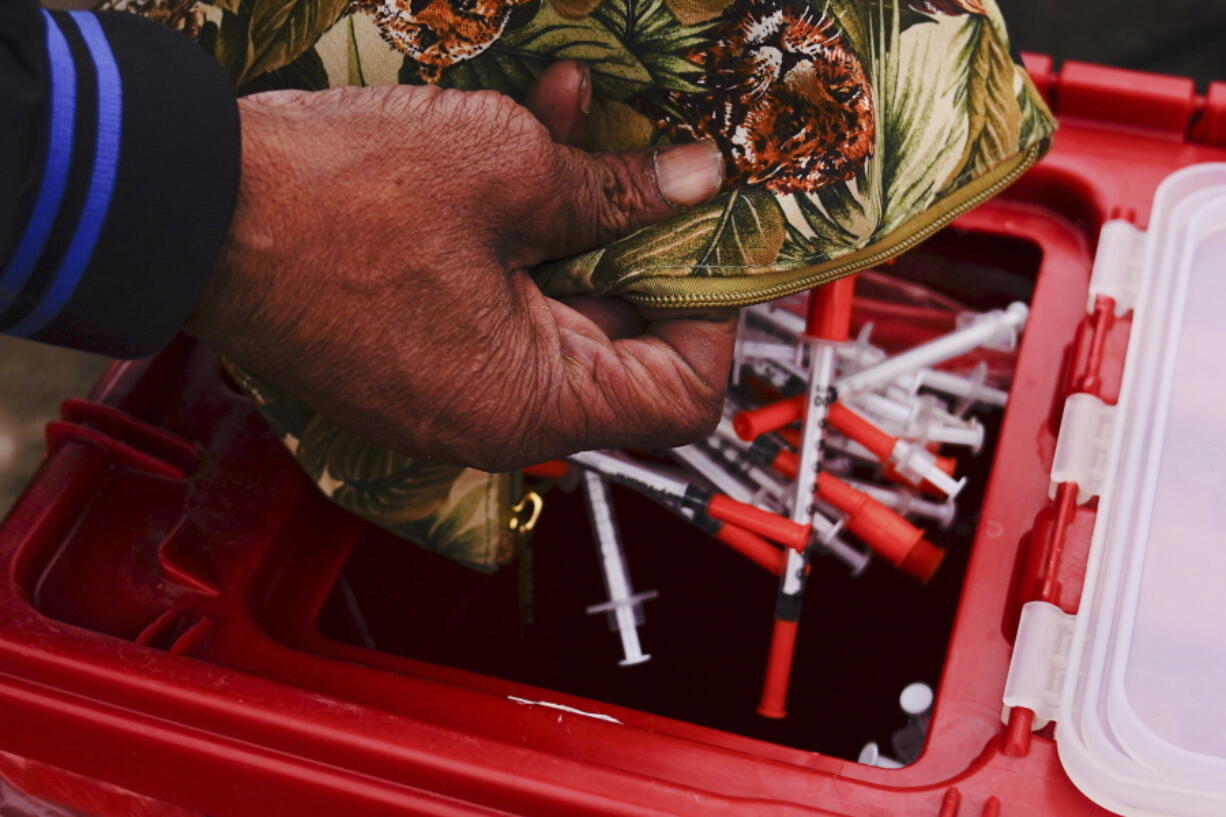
[(862, 640)]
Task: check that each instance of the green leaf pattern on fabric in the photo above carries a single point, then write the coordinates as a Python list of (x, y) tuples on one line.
[(281, 31), (993, 113), (692, 12), (268, 44), (744, 229), (386, 487), (835, 220), (513, 61), (925, 125), (307, 73)]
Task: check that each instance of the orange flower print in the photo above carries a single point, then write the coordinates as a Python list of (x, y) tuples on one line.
[(787, 101), (439, 33)]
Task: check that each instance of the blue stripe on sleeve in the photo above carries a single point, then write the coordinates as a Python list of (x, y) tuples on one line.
[(101, 183), (63, 103)]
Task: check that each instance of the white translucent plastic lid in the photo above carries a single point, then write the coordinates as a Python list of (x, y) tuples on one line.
[(1142, 719)]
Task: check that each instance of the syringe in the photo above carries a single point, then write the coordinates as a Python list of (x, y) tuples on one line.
[(624, 607)]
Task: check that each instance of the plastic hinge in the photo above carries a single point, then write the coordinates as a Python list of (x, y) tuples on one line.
[(1040, 660), (1117, 265), (1083, 446)]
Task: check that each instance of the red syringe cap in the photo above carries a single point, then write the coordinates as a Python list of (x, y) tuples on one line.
[(923, 561), (749, 425), (764, 523)]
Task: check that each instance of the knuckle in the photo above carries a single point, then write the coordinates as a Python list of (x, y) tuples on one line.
[(623, 194), (503, 143)]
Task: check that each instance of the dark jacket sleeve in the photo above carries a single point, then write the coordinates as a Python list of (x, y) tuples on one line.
[(119, 162)]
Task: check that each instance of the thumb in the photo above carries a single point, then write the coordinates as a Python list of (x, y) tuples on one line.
[(608, 195)]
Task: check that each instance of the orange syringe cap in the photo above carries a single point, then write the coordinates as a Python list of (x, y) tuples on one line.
[(885, 531), (753, 423), (769, 525)]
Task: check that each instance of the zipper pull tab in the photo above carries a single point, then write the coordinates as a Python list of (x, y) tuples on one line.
[(524, 516)]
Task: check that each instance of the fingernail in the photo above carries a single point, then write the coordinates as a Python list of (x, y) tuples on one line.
[(689, 174), (585, 88)]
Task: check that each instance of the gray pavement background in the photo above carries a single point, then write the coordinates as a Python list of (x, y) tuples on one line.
[(34, 380), (1185, 37)]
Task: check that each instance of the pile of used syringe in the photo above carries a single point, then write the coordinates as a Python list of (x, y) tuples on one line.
[(775, 480)]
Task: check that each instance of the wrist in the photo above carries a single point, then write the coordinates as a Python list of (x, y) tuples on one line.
[(225, 297)]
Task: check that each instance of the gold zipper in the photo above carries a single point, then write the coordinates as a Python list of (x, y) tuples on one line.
[(524, 516), (744, 290)]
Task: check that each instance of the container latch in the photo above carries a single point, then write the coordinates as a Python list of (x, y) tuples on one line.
[(1117, 265), (1040, 660), (1084, 445)]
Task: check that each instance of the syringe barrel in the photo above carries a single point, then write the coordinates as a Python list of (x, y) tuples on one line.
[(955, 343)]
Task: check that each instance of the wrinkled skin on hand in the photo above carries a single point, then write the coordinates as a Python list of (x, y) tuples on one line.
[(377, 262)]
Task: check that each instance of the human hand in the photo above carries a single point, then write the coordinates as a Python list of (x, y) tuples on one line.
[(377, 267)]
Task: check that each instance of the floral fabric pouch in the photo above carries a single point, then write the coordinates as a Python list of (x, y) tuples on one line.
[(852, 130)]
